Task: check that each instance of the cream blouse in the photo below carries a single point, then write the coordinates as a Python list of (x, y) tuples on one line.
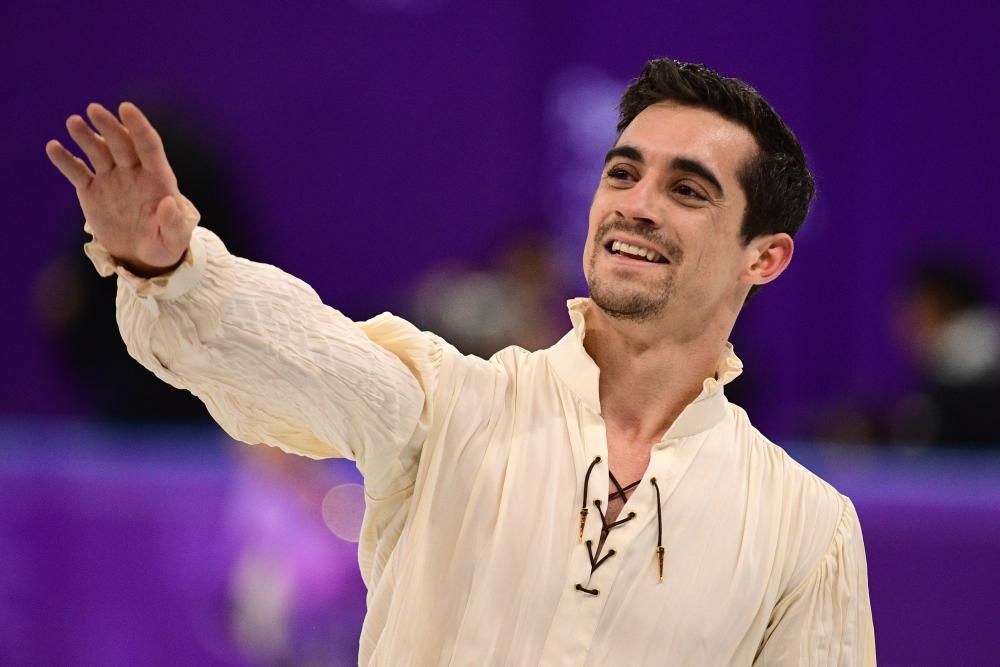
[(474, 472)]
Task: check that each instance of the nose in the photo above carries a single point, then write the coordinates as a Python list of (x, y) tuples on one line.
[(638, 203)]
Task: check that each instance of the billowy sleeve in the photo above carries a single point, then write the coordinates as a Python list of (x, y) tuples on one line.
[(826, 620), (274, 365)]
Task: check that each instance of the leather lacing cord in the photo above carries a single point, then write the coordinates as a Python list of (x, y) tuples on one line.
[(596, 560), (659, 529)]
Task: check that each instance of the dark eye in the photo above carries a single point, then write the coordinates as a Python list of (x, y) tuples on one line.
[(687, 191), (619, 174)]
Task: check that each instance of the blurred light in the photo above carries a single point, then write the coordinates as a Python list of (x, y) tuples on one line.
[(581, 112), (343, 510)]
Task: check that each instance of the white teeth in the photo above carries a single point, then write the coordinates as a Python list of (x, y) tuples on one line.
[(635, 251)]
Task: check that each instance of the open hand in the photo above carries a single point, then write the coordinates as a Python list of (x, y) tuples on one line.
[(129, 193)]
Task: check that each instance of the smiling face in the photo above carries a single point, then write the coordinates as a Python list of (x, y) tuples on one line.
[(665, 222)]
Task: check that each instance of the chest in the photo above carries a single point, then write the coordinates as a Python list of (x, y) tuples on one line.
[(501, 527), (627, 461)]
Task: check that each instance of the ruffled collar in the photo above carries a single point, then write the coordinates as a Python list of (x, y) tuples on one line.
[(579, 372)]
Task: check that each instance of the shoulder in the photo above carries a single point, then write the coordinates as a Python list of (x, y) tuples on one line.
[(810, 511), (419, 348)]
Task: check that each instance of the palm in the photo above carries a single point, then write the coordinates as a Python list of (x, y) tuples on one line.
[(119, 205), (130, 199)]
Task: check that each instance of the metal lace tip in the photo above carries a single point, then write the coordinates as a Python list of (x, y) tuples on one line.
[(659, 560), (583, 522)]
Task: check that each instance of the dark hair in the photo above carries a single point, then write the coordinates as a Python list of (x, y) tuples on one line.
[(776, 181)]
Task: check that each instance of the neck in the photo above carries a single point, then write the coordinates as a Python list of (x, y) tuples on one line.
[(651, 371)]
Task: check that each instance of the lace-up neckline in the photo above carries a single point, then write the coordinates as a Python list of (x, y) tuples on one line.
[(595, 555)]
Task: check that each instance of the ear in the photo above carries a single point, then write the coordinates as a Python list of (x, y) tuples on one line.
[(769, 255)]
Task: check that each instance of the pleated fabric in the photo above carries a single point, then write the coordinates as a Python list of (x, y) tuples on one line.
[(474, 473)]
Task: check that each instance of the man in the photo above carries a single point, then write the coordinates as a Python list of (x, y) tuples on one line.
[(598, 502)]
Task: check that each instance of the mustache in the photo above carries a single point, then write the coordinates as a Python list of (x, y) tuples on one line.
[(670, 249)]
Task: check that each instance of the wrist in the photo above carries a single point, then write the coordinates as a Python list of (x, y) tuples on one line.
[(143, 270)]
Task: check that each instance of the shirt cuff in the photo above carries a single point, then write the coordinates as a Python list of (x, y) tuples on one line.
[(170, 285)]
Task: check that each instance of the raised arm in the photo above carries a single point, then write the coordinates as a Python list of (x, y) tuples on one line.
[(272, 363)]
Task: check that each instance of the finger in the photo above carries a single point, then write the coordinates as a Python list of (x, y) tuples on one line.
[(92, 145), (115, 135), (174, 227), (73, 168), (171, 235), (148, 145), (166, 213)]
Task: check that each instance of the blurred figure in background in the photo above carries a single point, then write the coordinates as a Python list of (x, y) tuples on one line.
[(294, 592), (518, 299), (76, 307), (952, 332)]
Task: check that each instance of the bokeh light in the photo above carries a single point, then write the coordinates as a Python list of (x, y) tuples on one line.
[(343, 511)]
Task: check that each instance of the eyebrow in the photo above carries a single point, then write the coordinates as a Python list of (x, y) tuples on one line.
[(627, 152), (690, 165)]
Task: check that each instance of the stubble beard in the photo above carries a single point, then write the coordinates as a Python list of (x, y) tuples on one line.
[(624, 300)]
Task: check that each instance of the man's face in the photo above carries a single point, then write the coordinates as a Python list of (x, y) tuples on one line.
[(670, 185)]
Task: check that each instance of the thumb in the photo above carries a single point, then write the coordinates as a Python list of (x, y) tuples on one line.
[(171, 225), (165, 213)]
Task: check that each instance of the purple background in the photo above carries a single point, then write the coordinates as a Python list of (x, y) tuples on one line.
[(373, 139), (373, 142), (126, 559)]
